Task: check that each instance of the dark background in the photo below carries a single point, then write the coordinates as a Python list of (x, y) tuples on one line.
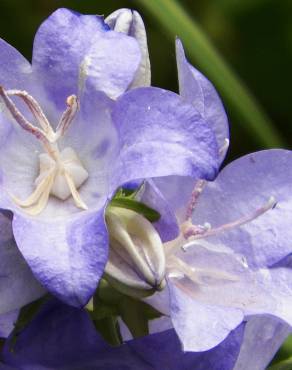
[(254, 36)]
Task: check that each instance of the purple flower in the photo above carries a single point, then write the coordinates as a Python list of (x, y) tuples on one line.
[(60, 165), (50, 341), (224, 267)]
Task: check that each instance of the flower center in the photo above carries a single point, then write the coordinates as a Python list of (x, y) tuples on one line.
[(61, 172)]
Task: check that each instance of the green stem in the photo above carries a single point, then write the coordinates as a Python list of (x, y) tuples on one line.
[(176, 20)]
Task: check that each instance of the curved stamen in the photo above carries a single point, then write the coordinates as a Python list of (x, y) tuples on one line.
[(68, 115), (21, 120), (34, 107), (192, 231), (199, 187), (35, 196), (78, 201)]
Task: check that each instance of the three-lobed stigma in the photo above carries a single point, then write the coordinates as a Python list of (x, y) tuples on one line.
[(61, 172)]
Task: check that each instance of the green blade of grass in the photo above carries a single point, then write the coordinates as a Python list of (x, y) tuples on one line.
[(237, 97)]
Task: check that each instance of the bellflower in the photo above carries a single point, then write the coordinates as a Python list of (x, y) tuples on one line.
[(50, 341), (71, 134), (224, 267)]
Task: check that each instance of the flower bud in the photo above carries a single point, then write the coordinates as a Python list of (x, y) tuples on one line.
[(136, 264), (131, 23)]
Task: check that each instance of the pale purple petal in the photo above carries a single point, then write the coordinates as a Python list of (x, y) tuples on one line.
[(167, 225), (17, 283), (130, 22), (74, 48), (263, 337), (200, 326), (241, 188), (15, 70), (196, 89), (218, 286), (66, 255), (177, 190), (160, 135), (50, 341), (7, 321)]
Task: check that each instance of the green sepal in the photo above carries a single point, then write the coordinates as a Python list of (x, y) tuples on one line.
[(109, 304), (149, 213), (109, 329), (126, 198), (283, 365), (136, 315)]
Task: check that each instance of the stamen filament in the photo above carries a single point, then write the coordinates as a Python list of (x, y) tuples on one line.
[(78, 201), (34, 197), (34, 108), (26, 125), (43, 200), (68, 115), (199, 187), (192, 231)]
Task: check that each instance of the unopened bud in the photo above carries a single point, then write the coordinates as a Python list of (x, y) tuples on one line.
[(136, 263), (131, 23)]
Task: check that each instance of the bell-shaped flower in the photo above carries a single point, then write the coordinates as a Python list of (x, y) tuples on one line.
[(50, 341), (70, 136), (224, 267)]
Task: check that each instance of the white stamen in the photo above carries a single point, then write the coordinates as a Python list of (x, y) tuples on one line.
[(61, 173)]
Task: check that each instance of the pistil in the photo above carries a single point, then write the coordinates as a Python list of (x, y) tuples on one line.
[(61, 172)]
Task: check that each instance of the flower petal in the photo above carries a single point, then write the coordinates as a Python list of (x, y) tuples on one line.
[(196, 89), (177, 190), (15, 70), (167, 225), (160, 135), (130, 22), (51, 341), (220, 288), (73, 48), (17, 283), (262, 338), (200, 326), (241, 188), (7, 321), (67, 256)]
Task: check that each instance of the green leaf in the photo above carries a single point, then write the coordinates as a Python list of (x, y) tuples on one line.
[(283, 365), (136, 206), (238, 98)]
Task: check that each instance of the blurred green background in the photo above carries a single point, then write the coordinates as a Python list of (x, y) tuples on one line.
[(253, 36)]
